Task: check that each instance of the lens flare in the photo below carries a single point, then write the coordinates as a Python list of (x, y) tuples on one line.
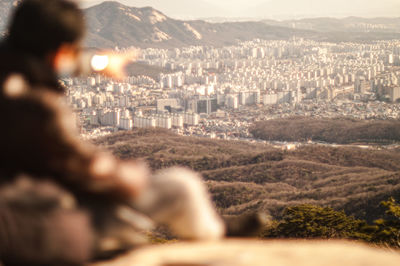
[(100, 62), (117, 63), (113, 64)]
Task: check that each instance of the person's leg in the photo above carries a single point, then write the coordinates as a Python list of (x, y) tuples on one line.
[(178, 198), (39, 225)]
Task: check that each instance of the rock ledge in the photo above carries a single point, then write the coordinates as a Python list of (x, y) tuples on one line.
[(257, 252)]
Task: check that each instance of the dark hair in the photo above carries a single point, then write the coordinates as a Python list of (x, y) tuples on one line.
[(39, 27)]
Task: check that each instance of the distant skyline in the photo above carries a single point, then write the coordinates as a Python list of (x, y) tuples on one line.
[(275, 9)]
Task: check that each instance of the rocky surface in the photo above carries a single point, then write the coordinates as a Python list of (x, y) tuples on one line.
[(254, 252)]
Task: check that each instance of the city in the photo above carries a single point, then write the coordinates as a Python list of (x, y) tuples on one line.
[(219, 92)]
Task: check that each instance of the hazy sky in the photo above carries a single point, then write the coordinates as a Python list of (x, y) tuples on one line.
[(281, 9), (238, 3)]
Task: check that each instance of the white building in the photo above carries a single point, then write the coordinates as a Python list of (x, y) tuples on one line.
[(163, 121), (191, 119), (162, 103), (394, 93), (110, 118), (144, 122), (249, 97), (177, 120), (126, 123), (270, 99), (232, 101)]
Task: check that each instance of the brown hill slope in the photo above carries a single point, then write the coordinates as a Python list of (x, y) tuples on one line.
[(244, 176), (342, 131)]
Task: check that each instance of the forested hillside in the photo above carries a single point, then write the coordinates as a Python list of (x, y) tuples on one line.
[(244, 176), (342, 131)]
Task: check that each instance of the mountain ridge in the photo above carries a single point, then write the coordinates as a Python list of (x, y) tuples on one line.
[(112, 24), (140, 27), (126, 26), (347, 24), (187, 9), (278, 9)]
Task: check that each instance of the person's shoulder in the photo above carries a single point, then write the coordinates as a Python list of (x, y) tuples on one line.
[(36, 103), (16, 91), (10, 60), (17, 86), (35, 71)]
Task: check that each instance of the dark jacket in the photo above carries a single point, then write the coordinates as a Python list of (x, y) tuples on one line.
[(38, 136)]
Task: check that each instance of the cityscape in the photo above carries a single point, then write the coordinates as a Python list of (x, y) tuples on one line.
[(199, 132), (220, 92)]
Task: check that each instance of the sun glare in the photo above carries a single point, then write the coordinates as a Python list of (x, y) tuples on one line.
[(100, 62)]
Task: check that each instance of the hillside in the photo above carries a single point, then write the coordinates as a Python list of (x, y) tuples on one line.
[(142, 69), (114, 24), (342, 131), (187, 8), (348, 24), (346, 29), (244, 176)]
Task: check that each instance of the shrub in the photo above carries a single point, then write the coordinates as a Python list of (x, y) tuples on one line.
[(308, 221)]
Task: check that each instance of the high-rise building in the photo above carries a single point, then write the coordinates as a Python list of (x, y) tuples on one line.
[(249, 97), (126, 123), (206, 106), (270, 99), (191, 119), (394, 93), (232, 101), (167, 104)]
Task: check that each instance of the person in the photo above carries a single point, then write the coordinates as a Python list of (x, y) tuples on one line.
[(60, 197)]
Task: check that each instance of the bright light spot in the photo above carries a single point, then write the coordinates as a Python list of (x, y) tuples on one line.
[(99, 62), (15, 86), (290, 147)]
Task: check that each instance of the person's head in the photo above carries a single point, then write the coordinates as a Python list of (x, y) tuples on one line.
[(51, 30)]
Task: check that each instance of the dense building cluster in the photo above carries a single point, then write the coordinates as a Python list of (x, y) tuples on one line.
[(219, 92)]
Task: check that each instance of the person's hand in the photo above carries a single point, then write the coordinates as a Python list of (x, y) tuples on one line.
[(129, 178), (133, 177), (178, 198)]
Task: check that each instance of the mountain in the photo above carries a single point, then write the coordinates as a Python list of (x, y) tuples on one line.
[(278, 9), (174, 8), (113, 24), (243, 176), (348, 24)]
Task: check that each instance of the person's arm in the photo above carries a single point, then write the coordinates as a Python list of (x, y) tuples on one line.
[(81, 164)]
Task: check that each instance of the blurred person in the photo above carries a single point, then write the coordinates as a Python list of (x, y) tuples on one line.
[(61, 198)]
